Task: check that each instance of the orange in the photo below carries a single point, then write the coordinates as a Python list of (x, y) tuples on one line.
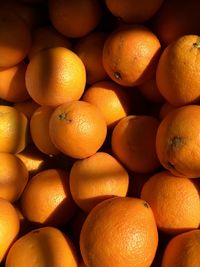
[(47, 37), (181, 17), (133, 11), (12, 86), (47, 200), (183, 250), (150, 90), (75, 18), (165, 109), (13, 130), (13, 177), (78, 129), (130, 54), (97, 178), (27, 107), (178, 141), (34, 160), (112, 100), (33, 249), (177, 74), (133, 143), (15, 39), (55, 76), (9, 227), (119, 232), (40, 120), (174, 200), (90, 49)]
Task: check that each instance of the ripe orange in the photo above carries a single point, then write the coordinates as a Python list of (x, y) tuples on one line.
[(174, 200), (15, 39), (133, 143), (177, 74), (12, 86), (47, 200), (55, 76), (181, 17), (178, 141), (40, 120), (183, 250), (75, 18), (27, 107), (165, 109), (133, 11), (90, 49), (130, 55), (77, 129), (34, 247), (9, 227), (112, 100), (13, 177), (13, 130), (34, 160), (47, 37), (97, 178), (150, 90), (119, 232)]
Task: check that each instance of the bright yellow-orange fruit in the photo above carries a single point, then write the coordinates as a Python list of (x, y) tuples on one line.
[(47, 200), (112, 99), (119, 232), (13, 177), (97, 178), (78, 129), (174, 200), (13, 130), (9, 227), (55, 76), (33, 249)]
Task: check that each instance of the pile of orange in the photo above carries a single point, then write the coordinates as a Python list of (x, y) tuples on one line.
[(99, 133)]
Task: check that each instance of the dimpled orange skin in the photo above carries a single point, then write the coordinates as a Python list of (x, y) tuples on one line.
[(47, 200), (97, 178), (174, 200), (9, 227), (111, 98), (78, 129), (133, 143), (55, 76), (13, 130), (46, 246), (130, 54), (13, 177), (119, 232), (183, 250), (178, 141), (177, 73)]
